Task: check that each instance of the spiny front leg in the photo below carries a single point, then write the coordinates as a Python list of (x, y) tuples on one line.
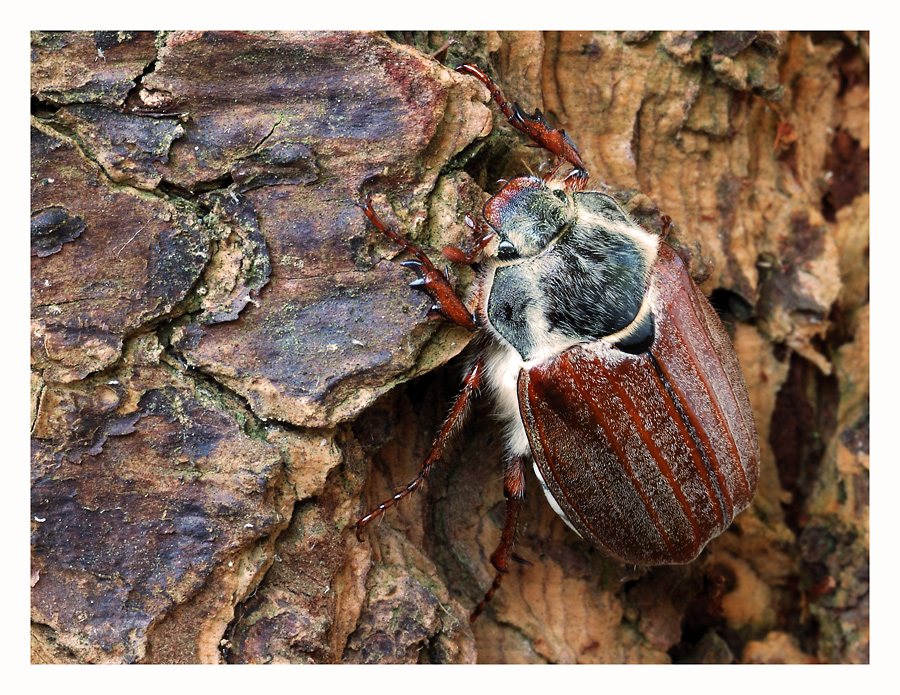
[(536, 127), (454, 420), (430, 280)]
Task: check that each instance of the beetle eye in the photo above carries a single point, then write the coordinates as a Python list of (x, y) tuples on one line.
[(506, 251)]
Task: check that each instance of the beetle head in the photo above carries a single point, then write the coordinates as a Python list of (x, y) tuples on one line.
[(527, 216)]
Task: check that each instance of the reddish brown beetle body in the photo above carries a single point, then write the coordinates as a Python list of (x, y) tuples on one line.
[(612, 372), (660, 449)]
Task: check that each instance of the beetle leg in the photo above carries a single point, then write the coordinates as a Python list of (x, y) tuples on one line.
[(430, 279), (459, 256), (536, 127), (667, 225), (454, 420), (514, 491)]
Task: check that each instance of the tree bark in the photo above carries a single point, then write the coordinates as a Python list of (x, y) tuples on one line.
[(229, 368)]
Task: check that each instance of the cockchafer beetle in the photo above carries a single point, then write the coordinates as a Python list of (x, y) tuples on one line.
[(610, 369)]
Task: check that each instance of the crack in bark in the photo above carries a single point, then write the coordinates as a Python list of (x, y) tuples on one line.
[(268, 135), (39, 400)]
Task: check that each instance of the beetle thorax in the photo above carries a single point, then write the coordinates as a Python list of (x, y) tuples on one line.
[(579, 274)]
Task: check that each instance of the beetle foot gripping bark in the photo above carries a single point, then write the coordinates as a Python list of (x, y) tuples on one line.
[(612, 373), (431, 280)]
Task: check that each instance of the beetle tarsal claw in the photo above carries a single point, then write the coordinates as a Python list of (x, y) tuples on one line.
[(421, 282)]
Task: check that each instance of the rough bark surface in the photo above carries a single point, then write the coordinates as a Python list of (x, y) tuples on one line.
[(228, 367)]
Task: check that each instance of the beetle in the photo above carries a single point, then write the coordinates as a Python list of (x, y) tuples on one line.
[(611, 371)]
